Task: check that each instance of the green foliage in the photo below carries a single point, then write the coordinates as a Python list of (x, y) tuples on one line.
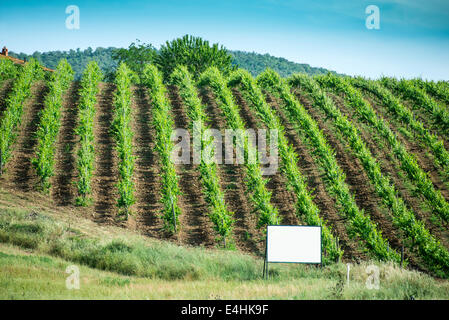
[(434, 254), (260, 196), (78, 59), (136, 56), (405, 115), (12, 114), (8, 69), (359, 223), (256, 63), (85, 131), (439, 89), (219, 214), (123, 135), (49, 123), (194, 53), (421, 99), (163, 124), (408, 162)]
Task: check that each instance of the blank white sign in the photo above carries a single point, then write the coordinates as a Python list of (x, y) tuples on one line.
[(300, 244)]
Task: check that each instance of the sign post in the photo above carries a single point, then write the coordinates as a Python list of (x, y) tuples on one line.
[(292, 244)]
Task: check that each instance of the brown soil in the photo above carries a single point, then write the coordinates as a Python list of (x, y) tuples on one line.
[(425, 159), (356, 177), (19, 172), (196, 227), (282, 198), (389, 166), (146, 174), (247, 236), (315, 181), (421, 114), (106, 171), (63, 188)]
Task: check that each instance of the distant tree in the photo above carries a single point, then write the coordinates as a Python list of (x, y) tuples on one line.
[(194, 53), (136, 56)]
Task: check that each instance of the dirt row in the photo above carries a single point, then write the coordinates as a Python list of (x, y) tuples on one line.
[(315, 178), (390, 167), (196, 227), (421, 114)]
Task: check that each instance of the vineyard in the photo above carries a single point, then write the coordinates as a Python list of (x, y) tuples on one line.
[(368, 160)]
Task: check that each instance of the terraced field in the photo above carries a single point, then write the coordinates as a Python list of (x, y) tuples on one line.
[(368, 160)]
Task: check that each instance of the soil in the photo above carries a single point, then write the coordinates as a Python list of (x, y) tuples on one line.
[(315, 181), (106, 171), (390, 168), (19, 172), (146, 173), (196, 226), (196, 229), (63, 182), (247, 236)]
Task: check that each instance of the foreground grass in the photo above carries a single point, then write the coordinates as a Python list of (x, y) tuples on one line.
[(36, 249)]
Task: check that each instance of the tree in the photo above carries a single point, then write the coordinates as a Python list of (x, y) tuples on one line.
[(194, 53), (136, 56)]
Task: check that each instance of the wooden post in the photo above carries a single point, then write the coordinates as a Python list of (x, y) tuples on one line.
[(173, 210), (402, 256)]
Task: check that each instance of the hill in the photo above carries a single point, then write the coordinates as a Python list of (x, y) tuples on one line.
[(253, 62), (350, 159)]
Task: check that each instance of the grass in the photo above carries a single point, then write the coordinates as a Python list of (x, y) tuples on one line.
[(36, 249)]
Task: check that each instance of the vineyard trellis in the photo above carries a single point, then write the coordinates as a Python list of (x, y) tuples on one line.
[(360, 222), (163, 124), (12, 115), (50, 122), (121, 129), (259, 195), (434, 254), (405, 115), (421, 100), (219, 213), (85, 131), (408, 162)]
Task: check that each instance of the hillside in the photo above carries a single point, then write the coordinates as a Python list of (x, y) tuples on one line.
[(253, 62), (350, 159)]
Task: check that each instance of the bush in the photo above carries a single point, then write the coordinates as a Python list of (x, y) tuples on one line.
[(194, 53)]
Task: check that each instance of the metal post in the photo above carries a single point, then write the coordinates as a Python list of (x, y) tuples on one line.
[(265, 264), (402, 256), (347, 273)]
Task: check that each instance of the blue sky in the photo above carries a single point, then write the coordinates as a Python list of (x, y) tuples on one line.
[(413, 39)]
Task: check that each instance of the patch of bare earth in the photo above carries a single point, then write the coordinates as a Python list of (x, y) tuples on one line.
[(63, 188), (146, 168), (105, 177)]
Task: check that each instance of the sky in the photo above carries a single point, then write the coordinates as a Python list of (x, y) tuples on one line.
[(412, 39)]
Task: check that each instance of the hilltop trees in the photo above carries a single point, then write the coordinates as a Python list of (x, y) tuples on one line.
[(195, 53)]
